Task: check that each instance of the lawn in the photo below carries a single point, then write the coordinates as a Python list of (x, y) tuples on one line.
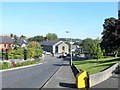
[(93, 66)]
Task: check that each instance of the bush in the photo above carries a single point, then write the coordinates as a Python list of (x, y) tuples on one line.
[(5, 65), (38, 52), (15, 54), (0, 66), (26, 63), (36, 61), (18, 64)]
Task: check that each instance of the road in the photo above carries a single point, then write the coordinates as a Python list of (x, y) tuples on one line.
[(32, 77)]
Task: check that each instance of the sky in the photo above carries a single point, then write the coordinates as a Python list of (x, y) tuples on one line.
[(81, 19)]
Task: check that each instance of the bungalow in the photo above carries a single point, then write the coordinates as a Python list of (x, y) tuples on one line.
[(55, 47), (5, 42)]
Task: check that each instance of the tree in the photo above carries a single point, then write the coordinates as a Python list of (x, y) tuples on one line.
[(37, 39), (15, 40), (34, 49), (23, 37), (92, 47), (111, 36), (52, 36), (34, 44)]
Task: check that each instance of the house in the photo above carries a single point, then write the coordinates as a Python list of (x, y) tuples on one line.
[(23, 43), (55, 47), (75, 48), (6, 42)]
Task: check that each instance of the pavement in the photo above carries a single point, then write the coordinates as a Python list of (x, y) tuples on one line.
[(63, 78)]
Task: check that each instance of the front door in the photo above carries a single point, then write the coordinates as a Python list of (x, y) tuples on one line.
[(63, 49)]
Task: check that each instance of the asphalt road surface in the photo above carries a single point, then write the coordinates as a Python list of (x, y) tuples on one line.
[(32, 77)]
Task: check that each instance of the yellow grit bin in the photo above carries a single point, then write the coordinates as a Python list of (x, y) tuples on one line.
[(82, 80)]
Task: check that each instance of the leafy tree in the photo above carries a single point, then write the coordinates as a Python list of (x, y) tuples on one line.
[(15, 40), (37, 39), (51, 36), (23, 37), (33, 44), (92, 47), (31, 52), (34, 49), (111, 36)]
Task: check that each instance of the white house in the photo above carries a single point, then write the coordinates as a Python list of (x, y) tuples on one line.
[(55, 46)]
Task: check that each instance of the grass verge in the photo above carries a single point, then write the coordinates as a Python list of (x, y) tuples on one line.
[(93, 66)]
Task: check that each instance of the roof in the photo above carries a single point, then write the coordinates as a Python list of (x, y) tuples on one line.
[(5, 40), (51, 43), (20, 42)]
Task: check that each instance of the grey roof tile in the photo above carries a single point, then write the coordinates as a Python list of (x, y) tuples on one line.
[(50, 43), (5, 40)]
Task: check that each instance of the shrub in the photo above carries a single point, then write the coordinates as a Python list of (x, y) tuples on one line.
[(5, 65), (38, 52), (18, 64), (26, 63), (0, 66), (15, 54)]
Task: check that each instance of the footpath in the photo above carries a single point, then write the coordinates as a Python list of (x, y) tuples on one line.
[(63, 78)]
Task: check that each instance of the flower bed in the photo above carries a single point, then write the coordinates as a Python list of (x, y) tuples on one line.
[(12, 64)]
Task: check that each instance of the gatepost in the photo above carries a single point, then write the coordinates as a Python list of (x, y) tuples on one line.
[(2, 53), (6, 54), (25, 54)]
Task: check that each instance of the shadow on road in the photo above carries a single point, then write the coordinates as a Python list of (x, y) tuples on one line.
[(61, 64), (57, 64), (67, 85)]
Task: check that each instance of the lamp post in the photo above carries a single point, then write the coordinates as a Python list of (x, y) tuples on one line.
[(71, 43)]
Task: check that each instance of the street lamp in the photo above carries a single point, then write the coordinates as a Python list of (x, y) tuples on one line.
[(71, 43)]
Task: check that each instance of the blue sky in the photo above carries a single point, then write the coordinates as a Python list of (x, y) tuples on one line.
[(82, 19)]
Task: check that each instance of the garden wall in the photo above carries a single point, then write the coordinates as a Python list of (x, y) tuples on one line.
[(98, 77), (101, 76)]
